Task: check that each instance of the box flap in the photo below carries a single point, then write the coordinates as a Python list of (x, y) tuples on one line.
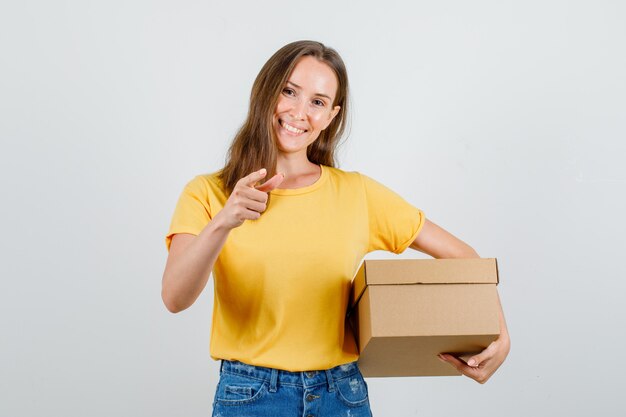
[(431, 271), (423, 271)]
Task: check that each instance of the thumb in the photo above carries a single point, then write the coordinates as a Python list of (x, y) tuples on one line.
[(476, 360), (272, 183)]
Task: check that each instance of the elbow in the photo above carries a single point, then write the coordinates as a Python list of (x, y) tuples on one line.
[(169, 295), (169, 302)]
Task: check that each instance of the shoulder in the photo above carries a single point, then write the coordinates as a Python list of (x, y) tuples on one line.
[(353, 178), (204, 184), (347, 177)]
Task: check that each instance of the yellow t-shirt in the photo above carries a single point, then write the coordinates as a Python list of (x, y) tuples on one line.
[(282, 282)]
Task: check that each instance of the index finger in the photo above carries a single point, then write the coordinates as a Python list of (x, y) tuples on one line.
[(253, 178)]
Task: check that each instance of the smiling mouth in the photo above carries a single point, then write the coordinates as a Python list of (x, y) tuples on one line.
[(290, 128)]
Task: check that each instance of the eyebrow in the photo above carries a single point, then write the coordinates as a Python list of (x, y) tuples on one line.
[(317, 94)]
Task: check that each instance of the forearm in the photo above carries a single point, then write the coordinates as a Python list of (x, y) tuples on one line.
[(439, 243), (504, 331), (187, 273), (468, 252)]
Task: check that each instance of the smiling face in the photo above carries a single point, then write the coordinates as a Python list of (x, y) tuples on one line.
[(305, 106)]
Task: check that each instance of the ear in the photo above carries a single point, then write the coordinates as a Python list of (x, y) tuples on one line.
[(332, 115)]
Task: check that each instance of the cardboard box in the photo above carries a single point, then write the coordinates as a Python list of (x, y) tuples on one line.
[(405, 312)]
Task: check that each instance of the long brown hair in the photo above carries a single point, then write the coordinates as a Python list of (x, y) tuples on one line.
[(255, 144)]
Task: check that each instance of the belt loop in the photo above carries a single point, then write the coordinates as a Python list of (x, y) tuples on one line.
[(221, 365), (331, 381), (273, 380)]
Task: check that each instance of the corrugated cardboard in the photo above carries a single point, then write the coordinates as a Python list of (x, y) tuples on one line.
[(405, 312)]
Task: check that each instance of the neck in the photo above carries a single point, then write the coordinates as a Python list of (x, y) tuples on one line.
[(294, 165)]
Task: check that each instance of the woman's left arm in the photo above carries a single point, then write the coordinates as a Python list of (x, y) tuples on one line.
[(438, 243)]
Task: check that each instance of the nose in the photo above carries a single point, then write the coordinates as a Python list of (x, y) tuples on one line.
[(298, 111)]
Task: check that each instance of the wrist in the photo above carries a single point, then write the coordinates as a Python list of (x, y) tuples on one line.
[(219, 224)]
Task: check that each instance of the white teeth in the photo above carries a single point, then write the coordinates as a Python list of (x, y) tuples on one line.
[(291, 128)]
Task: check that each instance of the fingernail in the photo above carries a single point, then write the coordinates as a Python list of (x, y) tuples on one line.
[(441, 358), (471, 362), (262, 171)]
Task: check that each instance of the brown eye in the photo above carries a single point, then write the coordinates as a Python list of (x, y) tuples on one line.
[(288, 91), (318, 102)]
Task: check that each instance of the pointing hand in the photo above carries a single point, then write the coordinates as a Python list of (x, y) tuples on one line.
[(248, 201)]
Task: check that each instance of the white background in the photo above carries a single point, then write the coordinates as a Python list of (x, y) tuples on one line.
[(503, 120)]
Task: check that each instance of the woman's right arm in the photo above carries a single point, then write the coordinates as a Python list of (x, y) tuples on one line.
[(191, 258), (189, 265)]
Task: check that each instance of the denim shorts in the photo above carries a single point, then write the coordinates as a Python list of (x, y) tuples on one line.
[(254, 391)]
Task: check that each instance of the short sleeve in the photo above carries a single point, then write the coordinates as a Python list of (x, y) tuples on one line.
[(393, 222), (192, 212)]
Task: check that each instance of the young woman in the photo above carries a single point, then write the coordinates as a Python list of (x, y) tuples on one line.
[(284, 231)]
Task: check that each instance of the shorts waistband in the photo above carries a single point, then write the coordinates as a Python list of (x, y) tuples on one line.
[(304, 379)]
